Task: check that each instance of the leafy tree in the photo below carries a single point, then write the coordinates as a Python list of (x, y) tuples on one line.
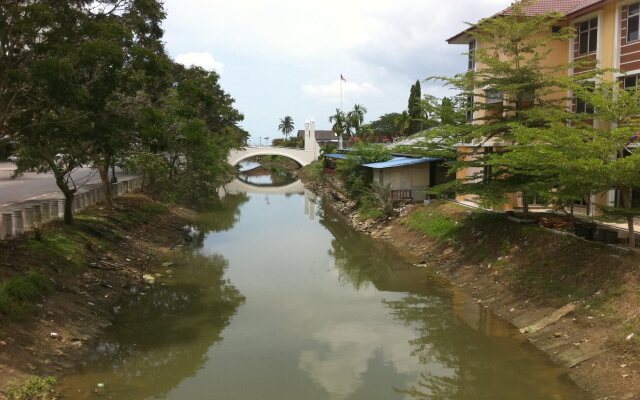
[(518, 89), (403, 123), (71, 74), (451, 112), (357, 178), (24, 25), (286, 126), (191, 132), (366, 134), (88, 82), (139, 82), (415, 109), (579, 159), (385, 125)]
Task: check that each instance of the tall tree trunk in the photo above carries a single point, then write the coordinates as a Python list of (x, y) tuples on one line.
[(69, 195), (103, 170), (68, 208), (626, 194)]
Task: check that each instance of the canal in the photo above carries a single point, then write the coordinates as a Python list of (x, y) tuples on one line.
[(280, 299)]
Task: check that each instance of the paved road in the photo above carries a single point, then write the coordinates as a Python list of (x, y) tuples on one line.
[(33, 186)]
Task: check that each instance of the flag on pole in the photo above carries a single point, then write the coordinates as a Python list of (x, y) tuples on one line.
[(342, 78)]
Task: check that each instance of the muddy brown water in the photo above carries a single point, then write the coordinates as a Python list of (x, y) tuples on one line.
[(280, 299)]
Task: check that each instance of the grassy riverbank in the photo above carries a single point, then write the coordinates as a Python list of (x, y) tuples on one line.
[(576, 300), (57, 291)]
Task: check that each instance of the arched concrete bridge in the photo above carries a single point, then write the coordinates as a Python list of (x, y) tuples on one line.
[(305, 156)]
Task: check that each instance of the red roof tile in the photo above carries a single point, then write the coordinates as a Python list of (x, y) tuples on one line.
[(566, 7)]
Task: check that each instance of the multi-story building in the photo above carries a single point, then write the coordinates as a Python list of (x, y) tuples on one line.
[(607, 35)]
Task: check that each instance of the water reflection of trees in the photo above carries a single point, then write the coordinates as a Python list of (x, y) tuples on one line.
[(359, 260), (163, 337), (455, 340), (470, 363), (221, 214)]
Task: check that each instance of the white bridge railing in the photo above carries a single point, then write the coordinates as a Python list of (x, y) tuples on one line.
[(26, 216)]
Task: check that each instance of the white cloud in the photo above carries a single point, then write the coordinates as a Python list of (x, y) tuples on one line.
[(384, 45), (204, 60), (345, 350), (331, 91)]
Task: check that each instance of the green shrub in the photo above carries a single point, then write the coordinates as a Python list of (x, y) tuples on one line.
[(35, 388), (376, 202), (328, 148), (16, 293), (293, 142), (433, 225), (313, 172), (358, 179), (368, 210)]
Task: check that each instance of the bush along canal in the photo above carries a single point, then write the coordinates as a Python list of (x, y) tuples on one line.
[(280, 299)]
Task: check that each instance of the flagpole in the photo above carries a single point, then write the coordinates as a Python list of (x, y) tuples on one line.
[(340, 92)]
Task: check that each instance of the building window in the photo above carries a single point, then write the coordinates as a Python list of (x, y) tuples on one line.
[(630, 82), (472, 54), (588, 36), (633, 22), (469, 108), (493, 96), (582, 106)]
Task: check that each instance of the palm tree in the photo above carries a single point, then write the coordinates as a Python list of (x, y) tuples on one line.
[(356, 117), (339, 121), (286, 126), (403, 122)]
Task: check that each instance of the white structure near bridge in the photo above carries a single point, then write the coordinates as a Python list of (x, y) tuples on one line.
[(305, 156)]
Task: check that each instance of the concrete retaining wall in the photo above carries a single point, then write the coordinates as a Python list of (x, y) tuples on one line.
[(26, 216)]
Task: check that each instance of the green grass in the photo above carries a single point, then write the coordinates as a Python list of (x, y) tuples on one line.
[(131, 218), (432, 224), (64, 250), (35, 388), (17, 293), (313, 172), (61, 246)]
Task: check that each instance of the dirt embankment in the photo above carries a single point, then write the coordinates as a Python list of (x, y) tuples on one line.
[(82, 271), (578, 301)]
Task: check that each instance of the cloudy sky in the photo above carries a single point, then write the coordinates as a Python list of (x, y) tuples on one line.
[(285, 57)]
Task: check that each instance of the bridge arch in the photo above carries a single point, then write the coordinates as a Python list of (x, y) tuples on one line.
[(304, 157), (300, 156)]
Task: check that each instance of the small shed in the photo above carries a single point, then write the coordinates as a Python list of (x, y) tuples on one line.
[(407, 177)]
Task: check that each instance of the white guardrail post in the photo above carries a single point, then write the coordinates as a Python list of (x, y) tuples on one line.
[(18, 223), (46, 213), (7, 226), (55, 209), (28, 219)]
